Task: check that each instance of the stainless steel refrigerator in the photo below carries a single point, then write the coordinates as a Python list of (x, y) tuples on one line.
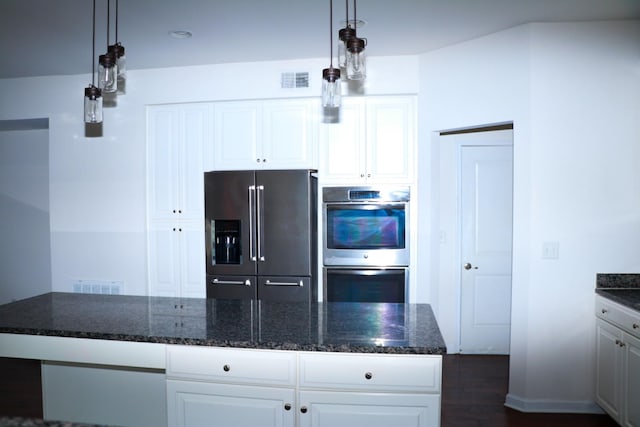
[(261, 234)]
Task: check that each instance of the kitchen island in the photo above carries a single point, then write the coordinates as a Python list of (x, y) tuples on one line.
[(184, 361)]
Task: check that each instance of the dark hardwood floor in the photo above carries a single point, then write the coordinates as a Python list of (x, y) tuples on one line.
[(473, 393)]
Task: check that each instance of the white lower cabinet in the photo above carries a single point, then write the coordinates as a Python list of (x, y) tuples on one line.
[(246, 387), (198, 404), (618, 362), (361, 409)]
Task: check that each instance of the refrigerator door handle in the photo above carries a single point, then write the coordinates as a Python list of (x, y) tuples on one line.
[(252, 254), (231, 282), (270, 283), (259, 203)]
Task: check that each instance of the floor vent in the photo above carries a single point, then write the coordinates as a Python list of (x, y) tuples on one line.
[(104, 287), (292, 80)]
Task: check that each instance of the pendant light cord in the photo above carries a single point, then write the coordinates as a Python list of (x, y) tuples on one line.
[(330, 34), (108, 20), (117, 39), (93, 47)]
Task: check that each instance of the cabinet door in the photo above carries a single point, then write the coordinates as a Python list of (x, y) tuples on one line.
[(608, 368), (631, 382), (197, 404), (195, 133), (176, 259), (163, 259), (390, 139), (289, 133), (343, 155), (237, 133), (343, 409), (192, 256), (163, 135), (176, 138)]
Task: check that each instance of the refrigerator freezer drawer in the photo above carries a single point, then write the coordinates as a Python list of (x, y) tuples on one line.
[(234, 287)]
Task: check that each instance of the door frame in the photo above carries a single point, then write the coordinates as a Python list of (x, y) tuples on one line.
[(450, 223)]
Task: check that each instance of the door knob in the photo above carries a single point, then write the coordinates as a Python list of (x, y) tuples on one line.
[(468, 266)]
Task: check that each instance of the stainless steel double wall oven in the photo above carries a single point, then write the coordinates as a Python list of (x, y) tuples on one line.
[(365, 243)]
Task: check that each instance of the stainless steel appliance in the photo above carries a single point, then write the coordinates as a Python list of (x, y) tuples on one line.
[(366, 226), (261, 234), (366, 243)]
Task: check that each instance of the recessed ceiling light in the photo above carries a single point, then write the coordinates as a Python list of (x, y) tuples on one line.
[(180, 34)]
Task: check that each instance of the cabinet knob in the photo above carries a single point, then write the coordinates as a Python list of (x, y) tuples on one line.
[(604, 310), (361, 175), (636, 326), (287, 406), (264, 160), (257, 160), (368, 175), (226, 368), (368, 375), (303, 409)]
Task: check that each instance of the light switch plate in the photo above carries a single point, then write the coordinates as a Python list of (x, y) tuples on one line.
[(550, 250)]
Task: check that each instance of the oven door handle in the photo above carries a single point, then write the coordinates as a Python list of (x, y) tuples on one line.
[(270, 283)]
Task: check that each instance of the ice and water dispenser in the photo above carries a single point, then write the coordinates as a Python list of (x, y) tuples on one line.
[(226, 241)]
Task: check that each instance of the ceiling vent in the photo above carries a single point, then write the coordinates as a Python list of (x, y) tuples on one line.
[(292, 80)]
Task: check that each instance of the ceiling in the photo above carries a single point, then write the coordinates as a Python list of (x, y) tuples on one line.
[(53, 37)]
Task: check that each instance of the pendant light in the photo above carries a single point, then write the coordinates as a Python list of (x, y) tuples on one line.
[(108, 69), (356, 59), (117, 49), (93, 94), (331, 76), (344, 34)]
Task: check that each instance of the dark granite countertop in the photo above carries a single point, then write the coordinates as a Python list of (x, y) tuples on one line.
[(342, 327), (621, 288), (33, 422)]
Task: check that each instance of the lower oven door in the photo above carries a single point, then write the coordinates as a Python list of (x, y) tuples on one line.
[(365, 284)]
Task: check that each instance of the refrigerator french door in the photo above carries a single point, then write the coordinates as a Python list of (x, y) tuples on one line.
[(261, 234)]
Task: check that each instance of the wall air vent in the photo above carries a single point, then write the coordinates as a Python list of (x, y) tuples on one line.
[(292, 80)]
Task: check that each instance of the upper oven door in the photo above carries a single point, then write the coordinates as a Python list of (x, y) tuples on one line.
[(366, 233)]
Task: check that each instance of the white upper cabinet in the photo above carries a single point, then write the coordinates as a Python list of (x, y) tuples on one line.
[(374, 142), (176, 136), (270, 134)]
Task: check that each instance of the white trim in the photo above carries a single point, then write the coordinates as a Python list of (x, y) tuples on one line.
[(552, 406), (83, 350)]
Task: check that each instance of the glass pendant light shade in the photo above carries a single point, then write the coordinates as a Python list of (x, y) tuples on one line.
[(331, 96), (92, 105), (108, 73), (344, 34), (356, 59), (118, 50)]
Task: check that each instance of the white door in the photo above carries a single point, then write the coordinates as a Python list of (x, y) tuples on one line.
[(486, 195)]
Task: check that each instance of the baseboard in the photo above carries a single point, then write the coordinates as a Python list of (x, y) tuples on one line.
[(552, 406)]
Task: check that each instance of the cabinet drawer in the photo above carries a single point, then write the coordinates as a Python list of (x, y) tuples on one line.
[(368, 372), (618, 315), (231, 365)]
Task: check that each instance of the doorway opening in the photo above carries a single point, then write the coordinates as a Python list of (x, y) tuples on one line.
[(476, 206)]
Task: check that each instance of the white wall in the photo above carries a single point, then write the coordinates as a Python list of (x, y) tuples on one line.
[(24, 208), (573, 94), (97, 185)]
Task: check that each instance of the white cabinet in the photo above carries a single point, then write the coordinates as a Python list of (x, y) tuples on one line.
[(346, 389), (247, 387), (374, 142), (178, 137), (231, 386), (270, 134), (618, 362)]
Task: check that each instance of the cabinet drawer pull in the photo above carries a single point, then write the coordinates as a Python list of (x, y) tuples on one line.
[(226, 368), (303, 409), (368, 375)]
